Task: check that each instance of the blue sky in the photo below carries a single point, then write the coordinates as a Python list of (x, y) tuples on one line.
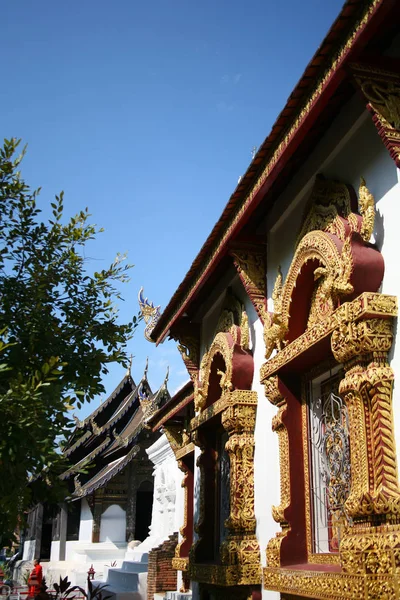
[(147, 113)]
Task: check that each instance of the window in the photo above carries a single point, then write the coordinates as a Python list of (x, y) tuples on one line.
[(329, 460)]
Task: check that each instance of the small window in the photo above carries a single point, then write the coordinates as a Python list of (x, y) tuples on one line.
[(329, 452)]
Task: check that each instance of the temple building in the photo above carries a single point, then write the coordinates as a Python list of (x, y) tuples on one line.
[(108, 511), (286, 322)]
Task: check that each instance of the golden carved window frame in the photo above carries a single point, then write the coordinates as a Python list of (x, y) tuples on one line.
[(240, 563), (360, 335)]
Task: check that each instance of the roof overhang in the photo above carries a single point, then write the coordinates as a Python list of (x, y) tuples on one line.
[(170, 410)]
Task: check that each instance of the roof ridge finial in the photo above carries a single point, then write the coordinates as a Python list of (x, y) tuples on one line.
[(146, 368), (129, 369), (166, 377)]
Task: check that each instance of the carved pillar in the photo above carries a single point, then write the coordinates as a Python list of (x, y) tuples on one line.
[(241, 546), (367, 389), (131, 503), (276, 398), (180, 561), (205, 524), (371, 546)]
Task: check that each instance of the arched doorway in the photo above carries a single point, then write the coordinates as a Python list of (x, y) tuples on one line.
[(144, 506)]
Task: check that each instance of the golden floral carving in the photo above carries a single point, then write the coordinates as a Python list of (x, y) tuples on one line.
[(352, 339), (333, 283), (381, 88), (366, 203), (367, 389), (384, 96), (314, 584), (245, 331), (250, 263), (221, 575), (174, 435), (369, 549), (329, 204)]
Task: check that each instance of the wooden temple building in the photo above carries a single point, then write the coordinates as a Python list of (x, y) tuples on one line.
[(110, 502), (287, 324)]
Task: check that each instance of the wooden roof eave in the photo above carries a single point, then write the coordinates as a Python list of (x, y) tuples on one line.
[(179, 401)]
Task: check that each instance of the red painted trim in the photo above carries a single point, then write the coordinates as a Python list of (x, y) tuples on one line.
[(294, 546)]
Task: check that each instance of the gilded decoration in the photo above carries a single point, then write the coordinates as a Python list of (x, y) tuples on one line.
[(329, 219), (276, 323), (180, 562), (360, 334), (368, 304), (250, 262), (189, 348), (367, 389), (380, 85), (239, 552), (232, 333), (274, 395), (368, 552)]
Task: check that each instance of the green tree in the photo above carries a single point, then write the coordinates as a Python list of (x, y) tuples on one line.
[(59, 330)]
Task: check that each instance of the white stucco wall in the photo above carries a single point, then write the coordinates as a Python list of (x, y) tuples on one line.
[(168, 498), (29, 550), (55, 550), (86, 522), (113, 524)]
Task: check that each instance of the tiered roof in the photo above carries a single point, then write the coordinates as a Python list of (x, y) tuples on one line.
[(110, 437)]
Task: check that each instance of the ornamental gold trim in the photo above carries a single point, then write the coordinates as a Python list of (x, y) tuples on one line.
[(368, 304), (180, 564), (369, 551)]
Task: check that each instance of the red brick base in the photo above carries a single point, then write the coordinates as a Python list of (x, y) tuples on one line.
[(161, 577)]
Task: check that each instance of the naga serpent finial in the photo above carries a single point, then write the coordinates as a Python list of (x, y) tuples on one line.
[(151, 314)]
